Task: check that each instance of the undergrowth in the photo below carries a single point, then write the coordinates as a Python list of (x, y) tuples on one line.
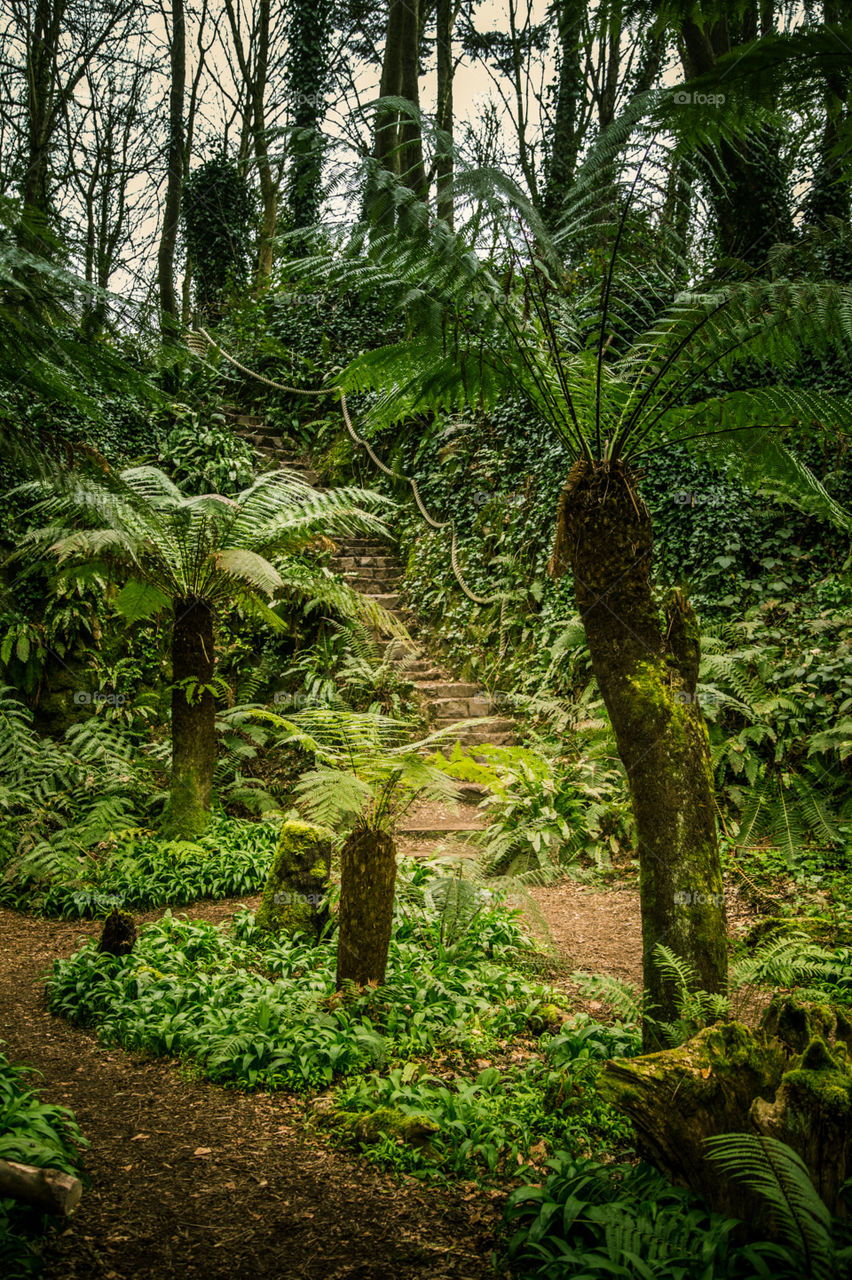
[(37, 1133)]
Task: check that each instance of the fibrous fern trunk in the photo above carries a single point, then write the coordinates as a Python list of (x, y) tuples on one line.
[(647, 677), (193, 719), (367, 881)]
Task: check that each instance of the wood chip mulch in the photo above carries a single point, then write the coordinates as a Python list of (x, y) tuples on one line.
[(190, 1180)]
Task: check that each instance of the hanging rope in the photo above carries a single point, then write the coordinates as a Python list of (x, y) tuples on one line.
[(197, 348)]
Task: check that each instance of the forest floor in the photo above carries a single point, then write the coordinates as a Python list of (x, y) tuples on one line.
[(190, 1180)]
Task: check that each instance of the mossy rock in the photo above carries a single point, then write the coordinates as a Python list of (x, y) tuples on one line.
[(297, 882), (119, 934)]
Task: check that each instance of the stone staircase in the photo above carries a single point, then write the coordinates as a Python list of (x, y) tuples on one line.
[(371, 566)]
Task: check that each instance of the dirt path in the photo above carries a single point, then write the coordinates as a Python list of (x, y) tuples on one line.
[(194, 1182)]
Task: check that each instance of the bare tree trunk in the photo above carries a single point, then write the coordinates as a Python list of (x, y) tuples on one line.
[(169, 306), (648, 684), (444, 144)]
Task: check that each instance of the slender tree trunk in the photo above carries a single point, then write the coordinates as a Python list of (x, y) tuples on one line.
[(564, 145), (647, 679), (268, 186), (169, 306), (444, 121), (193, 718), (367, 880)]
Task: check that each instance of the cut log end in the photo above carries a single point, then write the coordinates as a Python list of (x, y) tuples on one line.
[(47, 1189)]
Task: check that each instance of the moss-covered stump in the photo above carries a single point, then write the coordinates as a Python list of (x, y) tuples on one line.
[(297, 882), (118, 937), (791, 1080), (678, 1098), (811, 1113)]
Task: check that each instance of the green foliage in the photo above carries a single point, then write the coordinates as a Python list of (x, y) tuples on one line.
[(206, 456), (592, 1220), (60, 799), (218, 211), (258, 1011), (781, 1179), (492, 1124), (544, 812), (37, 1133), (136, 871)]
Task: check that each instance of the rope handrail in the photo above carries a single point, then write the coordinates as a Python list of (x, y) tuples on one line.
[(364, 444)]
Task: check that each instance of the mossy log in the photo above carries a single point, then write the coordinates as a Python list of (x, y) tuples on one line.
[(790, 1080), (367, 1127), (297, 882)]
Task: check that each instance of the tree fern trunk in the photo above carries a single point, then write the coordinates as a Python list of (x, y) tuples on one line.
[(193, 719), (367, 880), (647, 679)]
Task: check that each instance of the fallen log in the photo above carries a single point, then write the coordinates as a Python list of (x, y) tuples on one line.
[(47, 1189)]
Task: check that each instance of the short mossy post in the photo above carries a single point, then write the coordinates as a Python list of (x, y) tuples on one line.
[(647, 671), (297, 882)]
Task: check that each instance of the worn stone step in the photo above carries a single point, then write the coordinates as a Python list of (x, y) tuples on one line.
[(496, 724), (435, 690), (369, 585), (388, 600), (460, 708)]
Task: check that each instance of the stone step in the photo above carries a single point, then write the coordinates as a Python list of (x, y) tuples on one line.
[(369, 585), (496, 724), (388, 600), (434, 690), (448, 709)]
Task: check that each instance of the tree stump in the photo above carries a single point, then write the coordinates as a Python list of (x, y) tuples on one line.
[(791, 1080), (119, 934), (297, 882)]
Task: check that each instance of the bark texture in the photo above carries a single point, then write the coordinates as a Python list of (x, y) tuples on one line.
[(367, 881), (169, 308), (648, 685), (193, 719)]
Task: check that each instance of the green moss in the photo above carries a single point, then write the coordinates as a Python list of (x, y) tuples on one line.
[(371, 1126), (293, 894), (185, 817)]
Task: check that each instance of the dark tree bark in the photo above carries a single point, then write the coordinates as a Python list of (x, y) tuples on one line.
[(193, 718), (444, 119), (746, 183), (367, 880), (397, 143), (565, 142), (169, 304), (604, 537), (307, 83)]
